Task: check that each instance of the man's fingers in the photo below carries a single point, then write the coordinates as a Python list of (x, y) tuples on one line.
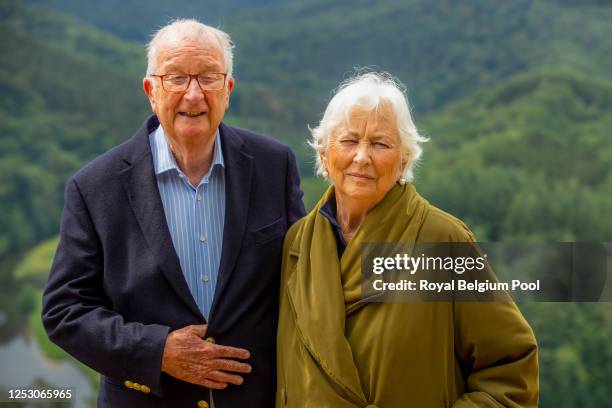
[(230, 352), (213, 384), (222, 377), (230, 365)]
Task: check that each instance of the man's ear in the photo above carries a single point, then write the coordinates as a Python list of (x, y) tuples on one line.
[(149, 89), (230, 88)]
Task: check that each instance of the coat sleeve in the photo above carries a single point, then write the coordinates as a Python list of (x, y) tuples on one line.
[(79, 317), (295, 206), (493, 343), (499, 355), (497, 350)]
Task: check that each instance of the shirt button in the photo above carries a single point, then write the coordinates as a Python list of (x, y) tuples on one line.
[(202, 238), (145, 389), (202, 404), (128, 384), (205, 278), (199, 197), (181, 175)]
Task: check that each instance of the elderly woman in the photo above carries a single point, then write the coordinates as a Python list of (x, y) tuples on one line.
[(336, 350)]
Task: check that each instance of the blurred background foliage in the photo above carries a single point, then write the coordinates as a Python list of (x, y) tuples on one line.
[(516, 97)]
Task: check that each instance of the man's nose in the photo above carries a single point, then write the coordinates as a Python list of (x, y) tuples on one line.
[(194, 92)]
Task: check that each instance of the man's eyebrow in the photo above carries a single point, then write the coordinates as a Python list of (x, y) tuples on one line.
[(205, 67)]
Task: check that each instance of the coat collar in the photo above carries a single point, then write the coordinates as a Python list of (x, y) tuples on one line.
[(315, 288)]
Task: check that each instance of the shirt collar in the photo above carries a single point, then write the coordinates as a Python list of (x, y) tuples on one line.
[(163, 159), (329, 210)]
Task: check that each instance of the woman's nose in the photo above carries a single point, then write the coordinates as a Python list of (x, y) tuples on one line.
[(362, 155)]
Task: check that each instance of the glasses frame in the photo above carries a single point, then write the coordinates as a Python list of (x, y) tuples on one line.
[(191, 77)]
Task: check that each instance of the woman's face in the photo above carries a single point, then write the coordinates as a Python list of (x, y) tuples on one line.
[(363, 157)]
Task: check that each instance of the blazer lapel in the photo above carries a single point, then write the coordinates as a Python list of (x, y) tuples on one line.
[(141, 187), (238, 173)]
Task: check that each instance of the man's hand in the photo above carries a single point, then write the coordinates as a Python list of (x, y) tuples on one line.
[(190, 358)]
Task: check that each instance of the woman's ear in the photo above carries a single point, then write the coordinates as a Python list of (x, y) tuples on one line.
[(405, 163), (323, 158)]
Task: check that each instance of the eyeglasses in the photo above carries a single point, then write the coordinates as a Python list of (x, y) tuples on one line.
[(211, 81)]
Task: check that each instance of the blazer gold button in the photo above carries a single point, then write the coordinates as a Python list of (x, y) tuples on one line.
[(211, 340), (128, 384), (145, 389), (202, 404), (136, 386)]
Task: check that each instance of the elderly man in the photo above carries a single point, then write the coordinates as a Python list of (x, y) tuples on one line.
[(166, 275)]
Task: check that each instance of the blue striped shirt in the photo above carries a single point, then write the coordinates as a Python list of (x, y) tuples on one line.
[(195, 216)]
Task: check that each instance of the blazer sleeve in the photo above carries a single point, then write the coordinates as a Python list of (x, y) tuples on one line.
[(78, 315), (295, 206)]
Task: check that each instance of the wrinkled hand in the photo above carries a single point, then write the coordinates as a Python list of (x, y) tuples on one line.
[(190, 358)]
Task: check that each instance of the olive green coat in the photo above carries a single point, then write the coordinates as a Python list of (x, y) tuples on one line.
[(335, 350)]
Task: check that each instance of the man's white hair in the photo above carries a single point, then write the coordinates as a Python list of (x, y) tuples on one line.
[(369, 91), (181, 29)]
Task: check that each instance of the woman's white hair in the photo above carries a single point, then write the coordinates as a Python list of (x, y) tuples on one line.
[(369, 91), (180, 29)]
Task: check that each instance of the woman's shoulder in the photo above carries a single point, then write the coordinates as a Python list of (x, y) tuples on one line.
[(440, 226)]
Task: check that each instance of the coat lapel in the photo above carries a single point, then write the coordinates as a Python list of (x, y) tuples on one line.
[(238, 173), (314, 291), (140, 184)]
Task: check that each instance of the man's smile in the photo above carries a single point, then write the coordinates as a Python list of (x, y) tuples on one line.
[(191, 114)]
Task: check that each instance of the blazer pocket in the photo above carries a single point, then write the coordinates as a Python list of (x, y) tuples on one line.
[(269, 232)]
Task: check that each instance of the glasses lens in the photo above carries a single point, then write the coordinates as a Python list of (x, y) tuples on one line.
[(175, 83), (180, 82), (211, 82)]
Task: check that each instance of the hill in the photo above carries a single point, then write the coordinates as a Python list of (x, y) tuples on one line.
[(516, 97), (529, 159), (68, 92), (297, 51)]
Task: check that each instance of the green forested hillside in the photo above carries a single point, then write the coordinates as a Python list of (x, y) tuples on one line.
[(135, 19), (67, 93), (529, 159), (515, 96), (443, 49), (70, 91)]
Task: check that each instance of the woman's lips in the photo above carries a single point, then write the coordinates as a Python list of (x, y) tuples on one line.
[(360, 176)]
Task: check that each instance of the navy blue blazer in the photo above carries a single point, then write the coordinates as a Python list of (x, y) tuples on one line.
[(116, 287)]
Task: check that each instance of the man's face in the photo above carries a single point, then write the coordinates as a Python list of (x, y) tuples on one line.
[(194, 114)]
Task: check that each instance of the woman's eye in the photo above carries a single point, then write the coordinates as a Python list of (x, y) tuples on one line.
[(348, 141), (381, 145)]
